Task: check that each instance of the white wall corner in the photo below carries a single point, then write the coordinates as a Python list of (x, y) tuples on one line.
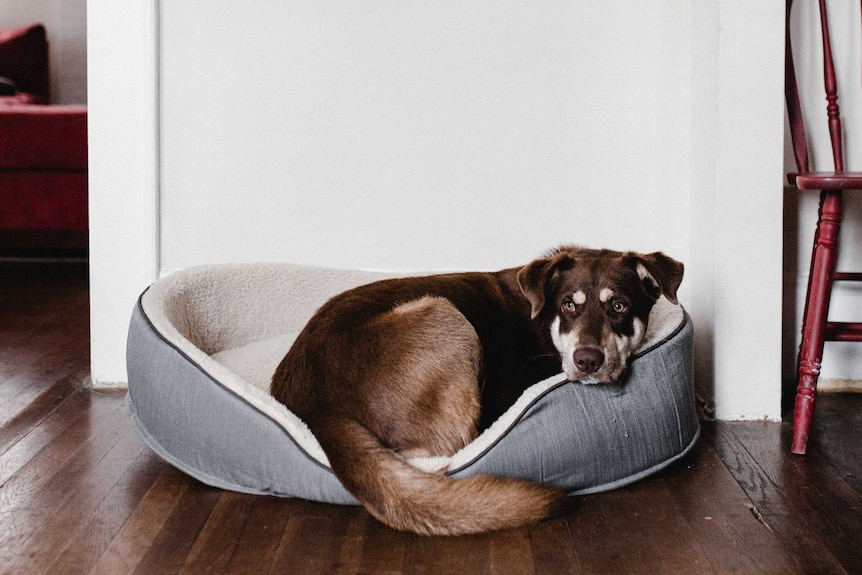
[(748, 208), (700, 270), (124, 180)]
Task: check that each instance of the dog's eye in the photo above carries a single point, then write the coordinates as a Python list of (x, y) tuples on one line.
[(569, 305), (619, 306)]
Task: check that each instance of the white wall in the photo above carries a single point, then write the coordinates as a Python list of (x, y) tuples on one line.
[(747, 203), (468, 135), (841, 361), (123, 175), (66, 25), (433, 135)]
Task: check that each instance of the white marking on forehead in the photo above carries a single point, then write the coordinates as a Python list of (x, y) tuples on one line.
[(579, 297), (606, 294)]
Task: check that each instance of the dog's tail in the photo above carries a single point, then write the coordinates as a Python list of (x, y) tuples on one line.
[(406, 498)]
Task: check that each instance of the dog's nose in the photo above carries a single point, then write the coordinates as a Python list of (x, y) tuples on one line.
[(588, 359)]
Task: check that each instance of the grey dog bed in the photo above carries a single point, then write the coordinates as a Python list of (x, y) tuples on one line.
[(204, 342)]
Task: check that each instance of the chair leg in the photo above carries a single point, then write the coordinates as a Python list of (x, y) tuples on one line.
[(816, 311)]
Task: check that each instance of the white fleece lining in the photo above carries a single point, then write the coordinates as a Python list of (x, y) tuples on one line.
[(237, 321)]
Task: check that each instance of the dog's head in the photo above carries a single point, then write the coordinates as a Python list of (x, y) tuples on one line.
[(596, 304)]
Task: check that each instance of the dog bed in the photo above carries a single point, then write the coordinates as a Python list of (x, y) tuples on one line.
[(204, 342)]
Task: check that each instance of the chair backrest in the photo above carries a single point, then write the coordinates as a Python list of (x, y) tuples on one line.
[(794, 107)]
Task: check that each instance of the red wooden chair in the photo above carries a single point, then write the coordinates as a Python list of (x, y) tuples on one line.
[(816, 329)]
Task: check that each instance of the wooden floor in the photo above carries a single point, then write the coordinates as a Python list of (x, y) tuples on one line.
[(80, 493)]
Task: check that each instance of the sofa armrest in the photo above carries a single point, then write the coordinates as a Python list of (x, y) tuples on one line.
[(43, 137)]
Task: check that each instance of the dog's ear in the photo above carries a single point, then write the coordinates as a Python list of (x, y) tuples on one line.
[(536, 278), (660, 272)]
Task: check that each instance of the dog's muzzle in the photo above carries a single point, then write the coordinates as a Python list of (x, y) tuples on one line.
[(588, 360)]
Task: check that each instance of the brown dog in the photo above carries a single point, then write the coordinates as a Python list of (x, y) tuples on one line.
[(416, 366)]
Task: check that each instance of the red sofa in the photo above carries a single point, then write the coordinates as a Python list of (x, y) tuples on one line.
[(43, 153)]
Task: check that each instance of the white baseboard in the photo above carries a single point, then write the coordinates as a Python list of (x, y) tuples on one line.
[(831, 385)]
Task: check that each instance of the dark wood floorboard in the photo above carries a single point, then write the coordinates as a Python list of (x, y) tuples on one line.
[(44, 341), (80, 493)]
